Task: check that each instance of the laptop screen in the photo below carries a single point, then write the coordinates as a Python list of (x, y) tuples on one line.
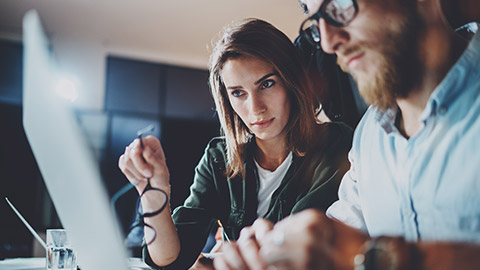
[(66, 161)]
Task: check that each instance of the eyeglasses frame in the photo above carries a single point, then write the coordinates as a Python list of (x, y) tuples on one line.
[(321, 14), (139, 221)]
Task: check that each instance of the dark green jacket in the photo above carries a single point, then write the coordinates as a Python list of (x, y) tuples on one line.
[(311, 182)]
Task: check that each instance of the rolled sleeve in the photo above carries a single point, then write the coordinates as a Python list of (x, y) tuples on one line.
[(347, 209)]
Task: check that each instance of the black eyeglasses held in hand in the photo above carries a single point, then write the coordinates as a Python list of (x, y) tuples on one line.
[(141, 233), (338, 13)]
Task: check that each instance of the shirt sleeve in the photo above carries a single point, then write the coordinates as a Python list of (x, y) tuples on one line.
[(327, 164), (348, 209)]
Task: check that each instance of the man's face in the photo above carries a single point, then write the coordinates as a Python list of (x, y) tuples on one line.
[(378, 48)]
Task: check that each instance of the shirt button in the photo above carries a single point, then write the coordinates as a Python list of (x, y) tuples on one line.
[(406, 213), (442, 110)]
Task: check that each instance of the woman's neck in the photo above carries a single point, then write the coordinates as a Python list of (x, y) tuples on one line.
[(271, 154)]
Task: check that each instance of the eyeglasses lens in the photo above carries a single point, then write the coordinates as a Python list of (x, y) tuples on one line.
[(156, 201), (310, 27), (153, 202), (339, 12), (149, 234), (140, 234)]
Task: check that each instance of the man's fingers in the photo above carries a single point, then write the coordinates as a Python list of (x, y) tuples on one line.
[(273, 254), (301, 241), (233, 257), (219, 263), (261, 227), (250, 253), (249, 248)]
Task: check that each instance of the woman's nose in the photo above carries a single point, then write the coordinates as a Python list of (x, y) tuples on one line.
[(257, 105)]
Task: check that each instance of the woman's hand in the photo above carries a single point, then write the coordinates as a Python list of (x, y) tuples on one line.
[(244, 254), (138, 164)]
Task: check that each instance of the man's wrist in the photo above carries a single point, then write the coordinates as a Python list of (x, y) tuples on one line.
[(386, 253)]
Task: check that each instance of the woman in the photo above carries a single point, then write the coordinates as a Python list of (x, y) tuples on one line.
[(274, 158)]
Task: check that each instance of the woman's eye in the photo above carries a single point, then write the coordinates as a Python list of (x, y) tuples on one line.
[(236, 93), (268, 83)]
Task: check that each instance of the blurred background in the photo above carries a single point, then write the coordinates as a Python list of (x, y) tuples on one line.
[(133, 63)]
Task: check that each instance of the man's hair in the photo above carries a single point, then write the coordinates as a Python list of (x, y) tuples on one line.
[(259, 39), (303, 6)]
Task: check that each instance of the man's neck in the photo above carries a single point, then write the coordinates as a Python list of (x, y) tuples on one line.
[(440, 49), (412, 106), (410, 110)]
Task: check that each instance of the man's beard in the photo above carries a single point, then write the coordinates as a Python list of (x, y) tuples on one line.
[(399, 66)]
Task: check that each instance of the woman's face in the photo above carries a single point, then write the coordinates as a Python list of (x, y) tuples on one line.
[(258, 96)]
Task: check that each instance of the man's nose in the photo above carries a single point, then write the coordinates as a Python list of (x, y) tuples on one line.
[(332, 38)]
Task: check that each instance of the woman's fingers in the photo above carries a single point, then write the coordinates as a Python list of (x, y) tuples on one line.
[(139, 163), (152, 154), (137, 157), (127, 167), (154, 144)]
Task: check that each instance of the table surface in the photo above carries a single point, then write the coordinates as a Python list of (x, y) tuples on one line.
[(39, 264)]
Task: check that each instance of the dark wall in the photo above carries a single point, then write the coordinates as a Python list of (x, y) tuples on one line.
[(16, 159), (175, 99), (20, 179), (11, 69)]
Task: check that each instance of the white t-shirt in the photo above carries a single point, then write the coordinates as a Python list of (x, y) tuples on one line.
[(269, 182)]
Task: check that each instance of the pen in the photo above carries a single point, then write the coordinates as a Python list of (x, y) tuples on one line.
[(225, 236), (127, 187), (140, 133), (35, 234)]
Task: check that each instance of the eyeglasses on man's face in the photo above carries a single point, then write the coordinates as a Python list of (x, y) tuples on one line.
[(337, 13)]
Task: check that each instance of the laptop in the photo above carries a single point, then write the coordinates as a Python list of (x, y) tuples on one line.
[(65, 159)]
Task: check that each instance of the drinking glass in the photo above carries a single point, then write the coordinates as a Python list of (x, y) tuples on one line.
[(60, 254)]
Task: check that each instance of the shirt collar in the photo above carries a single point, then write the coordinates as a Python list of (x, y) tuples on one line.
[(451, 87), (386, 119), (446, 92)]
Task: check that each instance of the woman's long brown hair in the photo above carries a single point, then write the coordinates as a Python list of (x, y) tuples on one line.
[(260, 39)]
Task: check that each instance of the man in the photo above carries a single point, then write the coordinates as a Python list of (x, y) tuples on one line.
[(410, 199)]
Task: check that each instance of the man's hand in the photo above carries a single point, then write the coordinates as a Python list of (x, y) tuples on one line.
[(311, 240)]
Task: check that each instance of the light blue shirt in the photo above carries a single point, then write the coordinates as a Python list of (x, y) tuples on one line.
[(426, 187)]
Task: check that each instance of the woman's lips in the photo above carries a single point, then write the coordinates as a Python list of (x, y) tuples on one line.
[(263, 123)]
